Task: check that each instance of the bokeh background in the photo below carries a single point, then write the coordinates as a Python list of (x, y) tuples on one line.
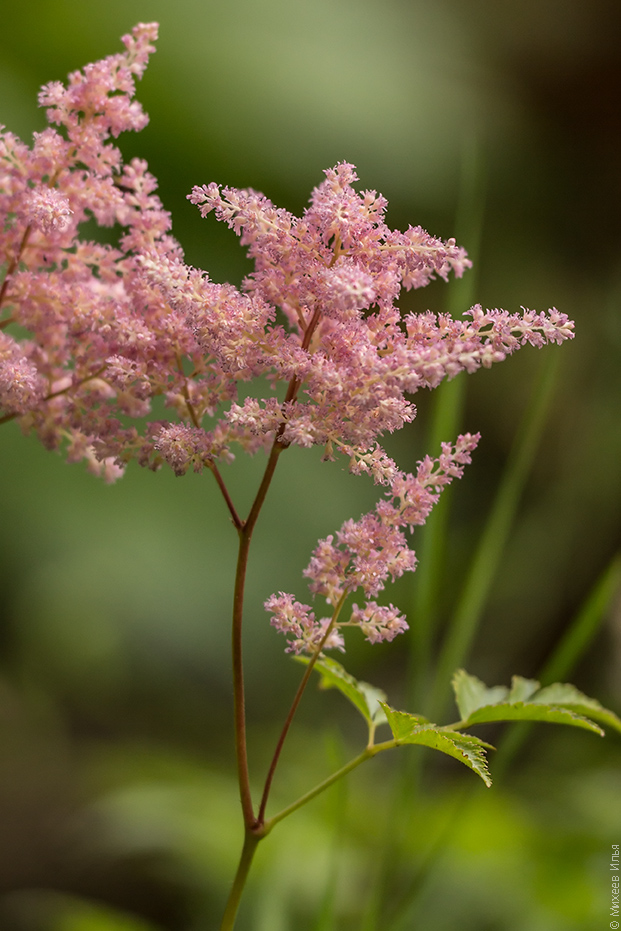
[(118, 801)]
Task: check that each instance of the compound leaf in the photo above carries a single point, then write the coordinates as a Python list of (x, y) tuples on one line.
[(568, 696), (471, 693), (366, 698), (412, 729), (530, 711), (560, 703)]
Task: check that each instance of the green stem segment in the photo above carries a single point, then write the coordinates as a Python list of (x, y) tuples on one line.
[(465, 622), (250, 845), (367, 754), (256, 834)]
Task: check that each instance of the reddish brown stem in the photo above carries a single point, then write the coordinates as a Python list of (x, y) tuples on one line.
[(245, 536), (245, 531), (292, 710), (14, 263), (237, 521)]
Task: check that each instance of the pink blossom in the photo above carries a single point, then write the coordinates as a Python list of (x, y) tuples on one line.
[(21, 386), (378, 623), (119, 326), (48, 209), (297, 622), (373, 549), (181, 446), (111, 328)]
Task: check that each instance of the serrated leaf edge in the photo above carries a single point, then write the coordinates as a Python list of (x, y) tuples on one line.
[(470, 749)]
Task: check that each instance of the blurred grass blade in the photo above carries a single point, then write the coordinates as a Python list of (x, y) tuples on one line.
[(584, 626), (470, 607), (570, 650), (337, 796), (447, 415), (430, 550)]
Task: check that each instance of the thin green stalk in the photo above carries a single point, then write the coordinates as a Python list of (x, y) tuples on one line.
[(367, 754), (470, 607), (580, 633), (401, 915), (387, 853), (431, 540), (570, 649), (430, 550), (327, 916)]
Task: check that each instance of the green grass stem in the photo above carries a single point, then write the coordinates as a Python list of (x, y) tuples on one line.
[(449, 401), (569, 651), (479, 580)]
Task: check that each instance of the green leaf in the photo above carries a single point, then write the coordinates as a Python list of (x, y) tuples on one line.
[(412, 729), (471, 693), (402, 724), (76, 914), (366, 698), (560, 703), (562, 693), (522, 689), (530, 711)]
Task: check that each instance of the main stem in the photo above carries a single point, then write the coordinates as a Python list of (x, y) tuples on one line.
[(245, 536), (250, 845), (254, 830), (245, 530)]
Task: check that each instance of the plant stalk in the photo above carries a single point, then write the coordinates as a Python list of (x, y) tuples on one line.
[(292, 710), (251, 841)]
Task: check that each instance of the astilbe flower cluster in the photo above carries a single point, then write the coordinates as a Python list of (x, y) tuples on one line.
[(365, 554), (111, 328)]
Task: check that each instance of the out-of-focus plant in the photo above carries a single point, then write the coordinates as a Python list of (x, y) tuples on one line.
[(312, 350)]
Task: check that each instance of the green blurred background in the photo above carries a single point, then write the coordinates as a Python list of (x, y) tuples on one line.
[(117, 790)]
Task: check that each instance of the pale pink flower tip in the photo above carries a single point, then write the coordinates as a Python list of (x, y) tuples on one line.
[(298, 623), (48, 210), (182, 446), (378, 623)]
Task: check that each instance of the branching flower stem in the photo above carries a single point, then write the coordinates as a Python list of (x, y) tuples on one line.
[(245, 536), (254, 830), (13, 264), (368, 753), (245, 531), (252, 835), (137, 310), (61, 391), (293, 709)]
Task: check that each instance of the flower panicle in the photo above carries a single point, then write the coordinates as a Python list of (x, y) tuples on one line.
[(110, 328), (365, 553)]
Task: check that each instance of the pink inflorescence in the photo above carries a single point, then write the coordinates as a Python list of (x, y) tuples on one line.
[(111, 328), (368, 552)]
